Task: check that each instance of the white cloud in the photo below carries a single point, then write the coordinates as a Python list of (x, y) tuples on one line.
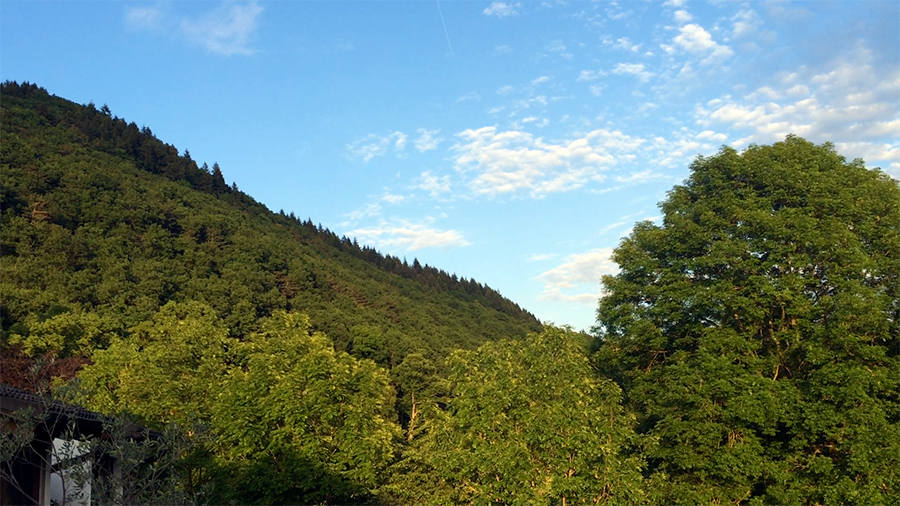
[(516, 162), (694, 39), (502, 49), (635, 69), (615, 12), (588, 75), (225, 30), (471, 96), (505, 90), (612, 226), (367, 211), (502, 9), (850, 102), (712, 136), (433, 184), (426, 142), (638, 177), (746, 24), (144, 18), (393, 199), (403, 235), (626, 44), (579, 273), (556, 46), (540, 80), (559, 48), (399, 140), (683, 16), (373, 145)]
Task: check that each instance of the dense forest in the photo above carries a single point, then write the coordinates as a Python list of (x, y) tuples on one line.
[(748, 352)]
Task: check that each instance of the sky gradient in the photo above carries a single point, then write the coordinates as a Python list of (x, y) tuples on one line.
[(512, 142)]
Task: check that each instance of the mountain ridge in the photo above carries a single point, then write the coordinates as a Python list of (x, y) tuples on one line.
[(101, 217)]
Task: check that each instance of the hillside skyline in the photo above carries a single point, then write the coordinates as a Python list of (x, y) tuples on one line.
[(514, 143)]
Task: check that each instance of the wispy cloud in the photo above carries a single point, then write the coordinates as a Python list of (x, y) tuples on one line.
[(579, 273), (144, 18), (226, 29), (403, 235), (367, 211), (471, 96), (502, 9), (626, 44), (393, 198), (433, 184), (635, 69), (427, 141), (373, 145), (539, 81), (850, 102), (559, 48), (588, 75), (694, 39), (682, 16), (516, 162)]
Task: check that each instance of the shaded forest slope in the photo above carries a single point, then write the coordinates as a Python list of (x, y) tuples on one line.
[(103, 223)]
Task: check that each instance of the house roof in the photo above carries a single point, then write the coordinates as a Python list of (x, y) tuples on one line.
[(56, 416)]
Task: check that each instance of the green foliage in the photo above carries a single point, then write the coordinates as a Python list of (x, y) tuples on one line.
[(756, 332), (67, 333), (289, 419), (297, 421), (103, 218), (526, 422), (164, 370)]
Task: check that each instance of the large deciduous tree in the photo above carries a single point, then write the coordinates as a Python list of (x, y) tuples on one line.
[(299, 423), (526, 422), (289, 419), (756, 331)]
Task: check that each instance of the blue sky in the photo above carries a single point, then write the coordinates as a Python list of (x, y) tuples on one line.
[(512, 142)]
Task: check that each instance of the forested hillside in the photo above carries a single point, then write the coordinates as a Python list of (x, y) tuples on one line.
[(103, 224)]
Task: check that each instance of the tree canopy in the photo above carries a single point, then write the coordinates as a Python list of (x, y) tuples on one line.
[(525, 422), (285, 417), (756, 330)]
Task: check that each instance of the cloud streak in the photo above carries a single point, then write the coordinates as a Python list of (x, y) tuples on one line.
[(580, 273), (225, 30), (502, 9), (403, 235), (373, 146)]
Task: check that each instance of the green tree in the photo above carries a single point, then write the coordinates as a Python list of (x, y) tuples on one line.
[(64, 334), (298, 422), (526, 422), (756, 331), (164, 371)]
